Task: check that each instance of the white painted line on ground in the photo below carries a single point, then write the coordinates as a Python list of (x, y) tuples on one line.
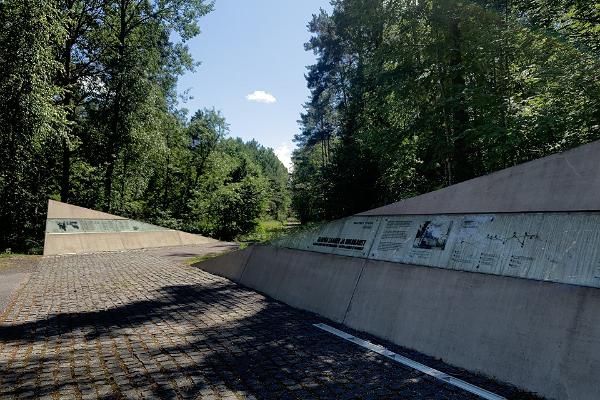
[(411, 363)]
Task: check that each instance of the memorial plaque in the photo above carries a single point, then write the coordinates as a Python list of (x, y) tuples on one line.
[(98, 226), (351, 236), (63, 226), (395, 236), (559, 247)]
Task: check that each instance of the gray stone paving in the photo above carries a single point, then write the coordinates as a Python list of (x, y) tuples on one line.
[(139, 326)]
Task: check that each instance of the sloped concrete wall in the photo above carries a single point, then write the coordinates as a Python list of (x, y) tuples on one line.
[(229, 265), (513, 224), (74, 230), (314, 282), (540, 336), (56, 244), (544, 337), (568, 181)]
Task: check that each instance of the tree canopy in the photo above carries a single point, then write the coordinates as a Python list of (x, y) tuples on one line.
[(410, 96), (405, 97), (89, 115)]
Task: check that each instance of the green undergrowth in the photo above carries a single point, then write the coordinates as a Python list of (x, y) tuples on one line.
[(267, 231), (11, 260), (204, 257)]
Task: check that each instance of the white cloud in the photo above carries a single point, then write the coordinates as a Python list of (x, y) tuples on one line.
[(260, 96), (284, 153)]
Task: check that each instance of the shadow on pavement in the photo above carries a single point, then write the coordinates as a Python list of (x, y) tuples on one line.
[(209, 341)]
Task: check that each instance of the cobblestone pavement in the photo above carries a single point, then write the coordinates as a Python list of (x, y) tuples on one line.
[(137, 325)]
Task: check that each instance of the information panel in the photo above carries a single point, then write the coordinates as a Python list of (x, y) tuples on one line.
[(558, 247), (350, 237), (98, 226)]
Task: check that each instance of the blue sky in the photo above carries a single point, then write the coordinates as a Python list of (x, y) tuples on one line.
[(253, 65)]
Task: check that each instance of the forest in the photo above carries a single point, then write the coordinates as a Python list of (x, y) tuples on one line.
[(409, 96), (406, 96), (89, 115)]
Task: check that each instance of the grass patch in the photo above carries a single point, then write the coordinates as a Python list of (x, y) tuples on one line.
[(12, 260), (204, 257), (266, 231)]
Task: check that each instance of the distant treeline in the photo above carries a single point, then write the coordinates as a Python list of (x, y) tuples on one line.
[(89, 115), (410, 96)]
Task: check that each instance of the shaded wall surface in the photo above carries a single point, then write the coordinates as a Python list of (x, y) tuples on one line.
[(73, 230), (540, 336)]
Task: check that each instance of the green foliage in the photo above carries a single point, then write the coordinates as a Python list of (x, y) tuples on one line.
[(408, 97), (237, 189), (30, 124), (88, 115), (237, 207), (263, 232)]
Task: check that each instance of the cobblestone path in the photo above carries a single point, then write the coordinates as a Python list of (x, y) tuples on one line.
[(138, 326)]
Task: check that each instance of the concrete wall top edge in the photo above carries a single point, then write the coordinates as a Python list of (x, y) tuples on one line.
[(372, 213), (567, 181), (58, 210)]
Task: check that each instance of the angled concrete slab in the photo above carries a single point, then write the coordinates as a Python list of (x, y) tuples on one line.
[(541, 336), (59, 210), (73, 230), (310, 281), (229, 265), (567, 181)]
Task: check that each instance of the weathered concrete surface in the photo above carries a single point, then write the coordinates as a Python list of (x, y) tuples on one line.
[(59, 210), (140, 240), (9, 285), (14, 272), (92, 242), (543, 337), (187, 252), (56, 244), (311, 281), (568, 181), (228, 265)]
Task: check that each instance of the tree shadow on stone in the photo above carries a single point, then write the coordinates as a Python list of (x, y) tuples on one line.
[(229, 341)]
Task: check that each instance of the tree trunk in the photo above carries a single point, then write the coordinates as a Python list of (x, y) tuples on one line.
[(115, 134), (463, 169), (65, 181)]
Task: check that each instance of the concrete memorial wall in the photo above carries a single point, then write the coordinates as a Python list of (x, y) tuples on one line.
[(540, 336), (73, 230), (499, 274)]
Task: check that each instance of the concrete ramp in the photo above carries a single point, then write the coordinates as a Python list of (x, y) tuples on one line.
[(74, 230)]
